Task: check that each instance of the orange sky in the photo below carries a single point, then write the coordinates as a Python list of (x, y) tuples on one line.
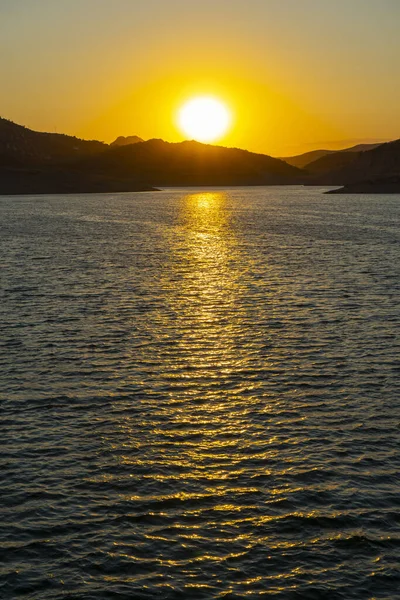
[(296, 75)]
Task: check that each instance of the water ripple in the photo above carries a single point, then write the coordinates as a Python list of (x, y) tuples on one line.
[(200, 396)]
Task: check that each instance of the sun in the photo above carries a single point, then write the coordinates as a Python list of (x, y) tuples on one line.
[(204, 119)]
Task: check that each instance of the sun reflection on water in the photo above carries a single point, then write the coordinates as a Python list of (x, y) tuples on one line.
[(194, 430), (208, 295)]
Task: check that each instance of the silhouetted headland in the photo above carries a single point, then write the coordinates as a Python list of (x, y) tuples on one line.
[(15, 181), (391, 185)]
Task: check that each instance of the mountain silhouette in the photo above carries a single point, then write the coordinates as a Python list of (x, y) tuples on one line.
[(22, 146), (41, 163), (378, 164), (331, 162), (160, 163), (33, 162), (361, 147), (303, 160), (126, 141)]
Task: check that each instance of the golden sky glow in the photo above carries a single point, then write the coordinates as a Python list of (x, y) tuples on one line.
[(295, 75)]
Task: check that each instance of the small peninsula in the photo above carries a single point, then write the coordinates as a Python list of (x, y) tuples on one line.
[(389, 185)]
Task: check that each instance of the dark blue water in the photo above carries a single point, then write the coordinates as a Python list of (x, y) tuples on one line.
[(200, 395)]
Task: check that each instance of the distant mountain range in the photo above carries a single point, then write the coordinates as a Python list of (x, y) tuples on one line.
[(38, 163), (361, 169), (374, 166), (303, 160), (330, 162)]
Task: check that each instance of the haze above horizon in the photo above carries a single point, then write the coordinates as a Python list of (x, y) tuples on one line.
[(293, 73)]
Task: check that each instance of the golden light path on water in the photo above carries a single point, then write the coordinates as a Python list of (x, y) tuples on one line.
[(199, 336), (199, 439)]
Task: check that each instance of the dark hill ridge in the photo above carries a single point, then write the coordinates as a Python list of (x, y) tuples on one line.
[(162, 163), (126, 141), (362, 147), (380, 163), (303, 160), (34, 162), (22, 146), (331, 162)]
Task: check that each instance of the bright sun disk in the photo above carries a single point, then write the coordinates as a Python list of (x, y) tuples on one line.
[(204, 119)]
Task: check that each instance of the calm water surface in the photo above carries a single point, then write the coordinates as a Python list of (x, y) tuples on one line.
[(200, 395)]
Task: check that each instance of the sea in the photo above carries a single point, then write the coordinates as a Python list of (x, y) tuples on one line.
[(200, 395)]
